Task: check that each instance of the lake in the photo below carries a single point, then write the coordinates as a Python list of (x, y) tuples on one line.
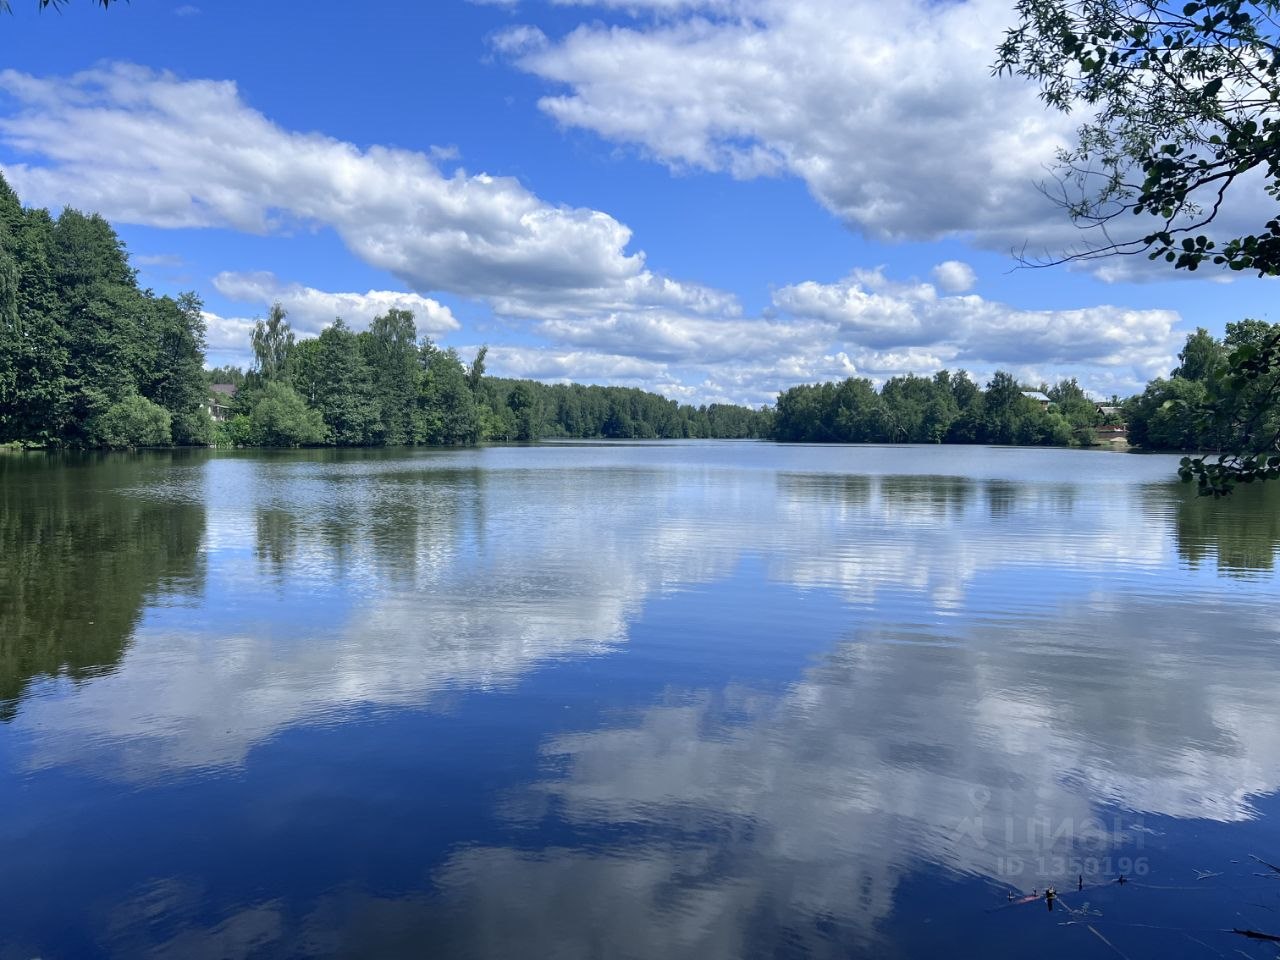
[(701, 699)]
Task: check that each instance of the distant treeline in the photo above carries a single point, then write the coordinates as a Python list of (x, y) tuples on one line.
[(945, 408), (86, 358), (1204, 405), (526, 409), (385, 386)]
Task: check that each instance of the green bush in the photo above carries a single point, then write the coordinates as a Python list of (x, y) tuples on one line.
[(281, 418), (193, 429), (133, 422), (235, 432)]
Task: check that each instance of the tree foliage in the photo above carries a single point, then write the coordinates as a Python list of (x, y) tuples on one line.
[(390, 351), (81, 345), (945, 408), (7, 7), (1240, 411), (133, 421), (526, 409), (1208, 403), (280, 418), (388, 386), (1180, 100), (272, 341)]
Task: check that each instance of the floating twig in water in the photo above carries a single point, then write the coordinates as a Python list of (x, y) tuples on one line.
[(1257, 934), (1265, 864)]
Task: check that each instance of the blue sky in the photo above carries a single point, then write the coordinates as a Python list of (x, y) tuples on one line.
[(715, 199)]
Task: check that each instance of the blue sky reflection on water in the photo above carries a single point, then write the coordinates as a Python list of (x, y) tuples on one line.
[(658, 700)]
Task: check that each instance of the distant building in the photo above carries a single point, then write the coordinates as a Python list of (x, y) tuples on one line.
[(220, 397), (1038, 397), (1113, 429)]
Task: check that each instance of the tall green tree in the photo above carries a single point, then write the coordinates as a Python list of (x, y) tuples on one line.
[(1200, 357), (390, 348), (103, 319), (1010, 416), (272, 341), (448, 410), (475, 373), (528, 408), (341, 388), (175, 379)]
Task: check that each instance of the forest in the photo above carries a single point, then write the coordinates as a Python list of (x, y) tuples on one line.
[(1203, 405), (387, 386), (945, 408), (88, 359)]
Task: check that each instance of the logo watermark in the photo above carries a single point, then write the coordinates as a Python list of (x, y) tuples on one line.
[(1053, 848)]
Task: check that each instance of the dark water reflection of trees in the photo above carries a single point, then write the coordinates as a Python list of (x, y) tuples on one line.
[(88, 542), (83, 551), (1240, 534)]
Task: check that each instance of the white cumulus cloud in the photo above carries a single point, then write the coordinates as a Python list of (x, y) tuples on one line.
[(147, 147), (876, 313), (887, 110), (954, 276), (311, 310), (151, 148)]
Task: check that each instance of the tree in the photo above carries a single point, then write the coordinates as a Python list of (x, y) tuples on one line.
[(1009, 414), (1074, 406), (1182, 104), (272, 342), (102, 319), (390, 348), (448, 407), (340, 387), (1158, 417), (526, 405), (1200, 357), (475, 373), (175, 379)]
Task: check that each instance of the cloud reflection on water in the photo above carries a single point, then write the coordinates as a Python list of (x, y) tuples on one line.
[(1015, 659)]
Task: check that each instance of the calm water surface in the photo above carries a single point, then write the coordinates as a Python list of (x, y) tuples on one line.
[(703, 700)]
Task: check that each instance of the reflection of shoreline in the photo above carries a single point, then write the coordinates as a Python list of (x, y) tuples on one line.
[(1007, 654), (79, 565), (449, 576), (1241, 533)]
